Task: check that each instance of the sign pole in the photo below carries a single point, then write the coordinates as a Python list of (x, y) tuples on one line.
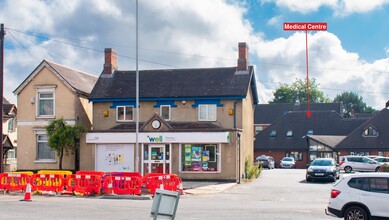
[(2, 33)]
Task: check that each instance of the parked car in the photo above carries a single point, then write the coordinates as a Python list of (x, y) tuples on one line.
[(382, 160), (323, 169), (288, 162), (266, 161), (360, 196), (358, 163)]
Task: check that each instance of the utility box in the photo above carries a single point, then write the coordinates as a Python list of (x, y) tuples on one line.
[(165, 204)]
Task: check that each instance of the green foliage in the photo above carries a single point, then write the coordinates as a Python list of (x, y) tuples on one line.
[(385, 168), (298, 91), (63, 138), (252, 169), (353, 103)]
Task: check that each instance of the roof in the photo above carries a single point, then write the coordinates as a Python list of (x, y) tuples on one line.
[(356, 140), (223, 83), (327, 140), (8, 108), (268, 113), (320, 122), (77, 81)]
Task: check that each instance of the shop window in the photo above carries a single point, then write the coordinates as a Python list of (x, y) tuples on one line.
[(200, 158), (124, 113), (207, 112), (370, 132), (296, 154), (165, 112), (44, 152)]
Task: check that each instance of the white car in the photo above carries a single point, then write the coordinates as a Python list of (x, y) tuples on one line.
[(360, 196), (382, 160), (288, 162), (358, 163)]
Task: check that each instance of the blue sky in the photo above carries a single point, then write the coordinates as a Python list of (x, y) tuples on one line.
[(352, 55)]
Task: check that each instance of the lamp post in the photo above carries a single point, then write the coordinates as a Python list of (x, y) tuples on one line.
[(2, 33), (137, 97)]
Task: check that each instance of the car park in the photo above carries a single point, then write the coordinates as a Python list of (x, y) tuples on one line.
[(323, 169), (360, 196), (266, 161), (288, 162), (358, 163)]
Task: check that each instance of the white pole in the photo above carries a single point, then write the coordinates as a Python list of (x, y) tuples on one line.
[(137, 97)]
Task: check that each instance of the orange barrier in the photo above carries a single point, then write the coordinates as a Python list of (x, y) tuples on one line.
[(14, 181), (1, 182), (130, 174), (47, 183), (131, 185), (89, 172), (166, 181), (86, 185)]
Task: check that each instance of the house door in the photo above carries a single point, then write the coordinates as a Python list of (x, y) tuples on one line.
[(156, 158)]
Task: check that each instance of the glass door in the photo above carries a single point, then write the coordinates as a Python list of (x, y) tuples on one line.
[(156, 158)]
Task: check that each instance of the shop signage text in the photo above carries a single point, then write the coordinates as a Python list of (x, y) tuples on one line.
[(155, 139), (302, 26)]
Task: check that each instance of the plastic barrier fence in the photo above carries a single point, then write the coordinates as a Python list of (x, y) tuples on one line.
[(130, 185), (14, 181), (166, 181), (85, 185), (47, 183)]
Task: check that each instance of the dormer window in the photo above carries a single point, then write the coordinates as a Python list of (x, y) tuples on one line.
[(289, 133), (310, 132), (273, 133), (370, 132)]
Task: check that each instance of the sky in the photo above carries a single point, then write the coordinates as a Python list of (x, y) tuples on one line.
[(352, 55)]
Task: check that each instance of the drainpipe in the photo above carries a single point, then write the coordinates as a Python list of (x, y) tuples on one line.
[(237, 142)]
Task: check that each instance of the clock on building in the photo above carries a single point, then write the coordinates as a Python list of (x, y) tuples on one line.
[(156, 124)]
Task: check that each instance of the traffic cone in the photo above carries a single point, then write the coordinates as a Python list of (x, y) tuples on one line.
[(27, 194), (180, 188), (110, 190)]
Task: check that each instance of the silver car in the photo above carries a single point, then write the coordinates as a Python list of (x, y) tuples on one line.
[(358, 163), (288, 162)]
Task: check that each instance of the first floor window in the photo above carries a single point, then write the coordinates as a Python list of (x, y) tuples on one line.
[(207, 112), (200, 158), (124, 113), (165, 112), (296, 154), (44, 152), (45, 103)]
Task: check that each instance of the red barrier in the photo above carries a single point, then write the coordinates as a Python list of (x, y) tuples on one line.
[(130, 174), (47, 183), (86, 185), (89, 172), (122, 185), (14, 182), (1, 182), (154, 181)]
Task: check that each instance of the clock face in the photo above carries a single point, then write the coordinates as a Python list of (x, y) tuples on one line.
[(156, 124)]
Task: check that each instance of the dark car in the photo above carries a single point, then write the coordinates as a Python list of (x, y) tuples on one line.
[(323, 169), (266, 161)]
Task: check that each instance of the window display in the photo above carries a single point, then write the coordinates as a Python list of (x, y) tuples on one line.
[(200, 158)]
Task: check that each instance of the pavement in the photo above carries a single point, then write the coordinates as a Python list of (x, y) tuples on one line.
[(201, 188)]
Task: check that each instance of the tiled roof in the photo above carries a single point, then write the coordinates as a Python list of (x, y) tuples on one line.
[(268, 113), (356, 140), (174, 83), (320, 122)]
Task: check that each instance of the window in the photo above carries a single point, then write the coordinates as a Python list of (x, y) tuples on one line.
[(165, 112), (289, 133), (45, 104), (310, 132), (11, 154), (297, 155), (207, 112), (370, 132), (201, 158), (359, 153), (11, 125), (273, 133), (43, 150), (124, 113), (371, 184)]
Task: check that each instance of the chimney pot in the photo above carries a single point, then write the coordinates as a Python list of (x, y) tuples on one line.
[(242, 56), (110, 64)]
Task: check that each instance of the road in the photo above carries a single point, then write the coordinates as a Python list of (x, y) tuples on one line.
[(276, 194)]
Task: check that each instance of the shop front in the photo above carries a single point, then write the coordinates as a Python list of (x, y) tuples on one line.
[(183, 153)]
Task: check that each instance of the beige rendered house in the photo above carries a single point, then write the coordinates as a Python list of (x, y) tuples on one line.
[(9, 136), (197, 123), (50, 92)]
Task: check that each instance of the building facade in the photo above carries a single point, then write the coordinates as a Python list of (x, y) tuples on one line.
[(197, 123), (50, 92), (9, 136)]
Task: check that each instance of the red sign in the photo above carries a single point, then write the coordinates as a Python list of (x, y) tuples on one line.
[(303, 26)]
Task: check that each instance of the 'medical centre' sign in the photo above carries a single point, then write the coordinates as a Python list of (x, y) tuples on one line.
[(302, 26)]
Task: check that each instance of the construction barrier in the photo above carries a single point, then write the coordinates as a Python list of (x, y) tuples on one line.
[(47, 183), (169, 182), (14, 181), (89, 172), (121, 185), (86, 185)]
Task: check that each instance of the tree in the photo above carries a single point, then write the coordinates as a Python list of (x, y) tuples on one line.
[(298, 91), (63, 138), (353, 103)]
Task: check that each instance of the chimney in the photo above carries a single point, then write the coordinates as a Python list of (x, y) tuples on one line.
[(243, 56), (110, 64)]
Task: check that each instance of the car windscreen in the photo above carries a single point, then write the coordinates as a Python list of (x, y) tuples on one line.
[(322, 163), (287, 159)]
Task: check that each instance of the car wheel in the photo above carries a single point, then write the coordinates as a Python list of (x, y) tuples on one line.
[(377, 169), (308, 179), (334, 179), (348, 169), (355, 212)]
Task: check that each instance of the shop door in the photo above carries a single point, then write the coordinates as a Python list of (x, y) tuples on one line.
[(156, 158)]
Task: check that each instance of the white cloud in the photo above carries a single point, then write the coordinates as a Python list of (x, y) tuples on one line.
[(303, 6), (275, 21)]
